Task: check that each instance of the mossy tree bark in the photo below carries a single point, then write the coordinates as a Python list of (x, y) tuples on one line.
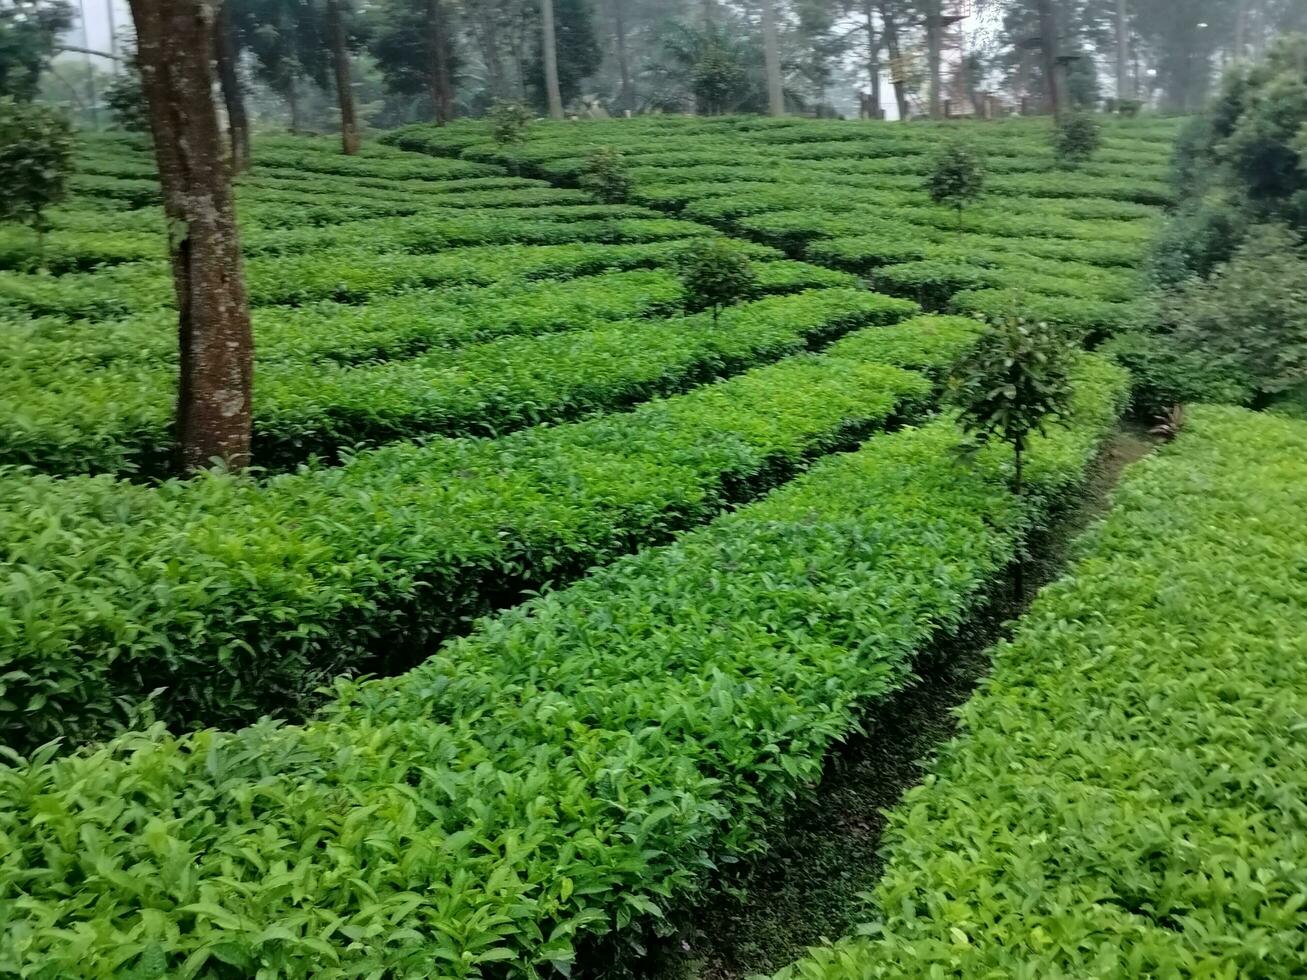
[(175, 42)]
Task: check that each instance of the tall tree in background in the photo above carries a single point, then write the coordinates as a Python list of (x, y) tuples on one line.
[(889, 17), (414, 46), (626, 96), (174, 48), (226, 51), (1049, 52), (577, 55), (772, 60), (934, 56), (287, 40), (29, 34), (1124, 87), (349, 133), (873, 56), (549, 57)]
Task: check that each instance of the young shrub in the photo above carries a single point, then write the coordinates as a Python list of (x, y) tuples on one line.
[(508, 123), (36, 150), (1076, 139), (957, 177), (716, 273), (606, 176), (1011, 384)]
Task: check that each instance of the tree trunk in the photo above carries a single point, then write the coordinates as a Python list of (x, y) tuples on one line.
[(238, 122), (1049, 49), (439, 83), (935, 58), (549, 49), (896, 55), (709, 13), (771, 51), (1123, 87), (1019, 490), (293, 102), (873, 60), (1240, 29), (174, 43), (627, 95), (349, 131)]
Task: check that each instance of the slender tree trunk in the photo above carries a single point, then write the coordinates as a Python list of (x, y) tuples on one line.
[(439, 83), (238, 122), (935, 57), (174, 45), (293, 102), (627, 95), (1241, 30), (349, 131), (771, 52), (896, 56), (709, 13), (1123, 87), (549, 48), (873, 60), (1019, 489), (1049, 48)]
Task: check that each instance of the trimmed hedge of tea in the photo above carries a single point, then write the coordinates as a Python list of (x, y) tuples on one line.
[(124, 421), (341, 275), (1127, 797), (238, 597), (574, 767), (852, 195)]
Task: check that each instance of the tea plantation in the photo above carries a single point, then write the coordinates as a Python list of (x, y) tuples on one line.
[(550, 595)]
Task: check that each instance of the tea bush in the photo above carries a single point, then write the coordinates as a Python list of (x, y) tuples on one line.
[(572, 768), (1126, 797)]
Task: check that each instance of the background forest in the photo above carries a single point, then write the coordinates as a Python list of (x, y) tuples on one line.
[(416, 60)]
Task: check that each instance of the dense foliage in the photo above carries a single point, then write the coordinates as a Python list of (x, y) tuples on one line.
[(36, 160), (957, 177), (572, 768), (1012, 384), (1126, 798), (1231, 312), (715, 274), (1076, 138)]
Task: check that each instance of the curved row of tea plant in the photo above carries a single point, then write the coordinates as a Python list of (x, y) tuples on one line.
[(236, 597), (1128, 796), (346, 275), (573, 768), (124, 417), (852, 195)]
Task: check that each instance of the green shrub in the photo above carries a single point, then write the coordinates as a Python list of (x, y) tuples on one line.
[(1165, 375), (36, 149), (508, 124), (1076, 138), (957, 178), (607, 177), (1196, 241), (1250, 317), (716, 273), (1011, 384), (1125, 799), (573, 768)]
